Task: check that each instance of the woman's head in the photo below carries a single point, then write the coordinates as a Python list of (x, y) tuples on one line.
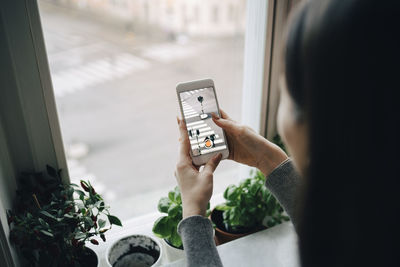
[(339, 116)]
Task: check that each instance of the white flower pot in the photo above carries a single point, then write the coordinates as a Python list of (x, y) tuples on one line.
[(172, 253), (141, 249)]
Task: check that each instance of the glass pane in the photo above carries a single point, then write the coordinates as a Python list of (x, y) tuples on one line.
[(114, 66)]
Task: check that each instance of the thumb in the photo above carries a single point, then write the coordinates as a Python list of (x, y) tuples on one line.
[(225, 124), (212, 164)]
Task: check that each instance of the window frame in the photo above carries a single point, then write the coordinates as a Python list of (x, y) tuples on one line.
[(29, 122)]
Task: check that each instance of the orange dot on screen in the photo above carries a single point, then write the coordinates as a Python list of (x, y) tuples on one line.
[(208, 143)]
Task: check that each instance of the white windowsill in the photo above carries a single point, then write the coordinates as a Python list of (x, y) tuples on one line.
[(276, 246), (138, 225)]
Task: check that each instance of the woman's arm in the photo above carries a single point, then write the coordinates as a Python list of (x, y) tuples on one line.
[(283, 182), (198, 242), (196, 189), (248, 147), (197, 232)]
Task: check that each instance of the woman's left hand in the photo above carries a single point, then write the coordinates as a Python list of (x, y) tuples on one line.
[(196, 186)]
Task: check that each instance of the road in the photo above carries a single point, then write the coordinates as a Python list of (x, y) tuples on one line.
[(116, 100)]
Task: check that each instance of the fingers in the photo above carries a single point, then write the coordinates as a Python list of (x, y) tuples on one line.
[(226, 124), (224, 115), (184, 141), (212, 164)]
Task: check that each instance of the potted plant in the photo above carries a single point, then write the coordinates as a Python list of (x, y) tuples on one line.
[(51, 222), (249, 207), (165, 227)]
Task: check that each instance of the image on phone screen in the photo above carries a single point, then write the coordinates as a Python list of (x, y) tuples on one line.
[(204, 135)]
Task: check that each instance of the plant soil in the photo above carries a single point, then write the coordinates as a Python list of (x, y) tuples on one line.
[(138, 256)]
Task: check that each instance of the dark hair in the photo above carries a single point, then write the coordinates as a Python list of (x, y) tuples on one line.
[(342, 70)]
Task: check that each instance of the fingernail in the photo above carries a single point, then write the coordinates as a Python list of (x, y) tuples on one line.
[(215, 116), (218, 156)]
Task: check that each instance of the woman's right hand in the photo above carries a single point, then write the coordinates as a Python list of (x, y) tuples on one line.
[(248, 147)]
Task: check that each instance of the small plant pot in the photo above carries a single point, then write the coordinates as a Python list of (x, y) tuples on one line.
[(222, 235), (134, 250), (172, 253), (88, 258)]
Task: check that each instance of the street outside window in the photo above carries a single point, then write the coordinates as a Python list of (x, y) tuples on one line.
[(114, 68)]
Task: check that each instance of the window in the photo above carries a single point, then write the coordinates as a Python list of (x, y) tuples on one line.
[(27, 97), (215, 14), (115, 90), (231, 13), (196, 14)]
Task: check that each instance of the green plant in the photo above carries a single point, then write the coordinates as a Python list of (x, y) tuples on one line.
[(166, 226), (248, 204), (51, 222)]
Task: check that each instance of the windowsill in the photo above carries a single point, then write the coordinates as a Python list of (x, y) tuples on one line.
[(275, 247), (138, 225)]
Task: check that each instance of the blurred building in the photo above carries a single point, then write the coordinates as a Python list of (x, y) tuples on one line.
[(191, 17)]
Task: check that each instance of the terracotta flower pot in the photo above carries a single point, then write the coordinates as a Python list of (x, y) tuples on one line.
[(221, 233)]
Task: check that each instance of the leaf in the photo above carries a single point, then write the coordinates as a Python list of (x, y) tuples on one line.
[(222, 207), (85, 185), (114, 220), (254, 187), (88, 221), (171, 195), (42, 222), (102, 223), (68, 216), (80, 235), (174, 210), (163, 204), (161, 227), (230, 192), (175, 239), (45, 213), (47, 233), (101, 206), (177, 196)]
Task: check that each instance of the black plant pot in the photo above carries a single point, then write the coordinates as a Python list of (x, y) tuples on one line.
[(88, 258)]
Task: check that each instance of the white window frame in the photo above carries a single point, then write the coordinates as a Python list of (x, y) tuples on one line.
[(30, 135)]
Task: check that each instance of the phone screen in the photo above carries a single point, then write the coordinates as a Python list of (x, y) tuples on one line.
[(204, 135)]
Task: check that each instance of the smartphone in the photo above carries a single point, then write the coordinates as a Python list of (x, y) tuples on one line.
[(197, 100)]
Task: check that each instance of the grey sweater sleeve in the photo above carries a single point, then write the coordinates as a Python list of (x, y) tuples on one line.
[(283, 182), (198, 242), (197, 232)]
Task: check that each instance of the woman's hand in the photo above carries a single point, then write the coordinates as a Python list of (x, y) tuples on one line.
[(248, 147), (196, 186)]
